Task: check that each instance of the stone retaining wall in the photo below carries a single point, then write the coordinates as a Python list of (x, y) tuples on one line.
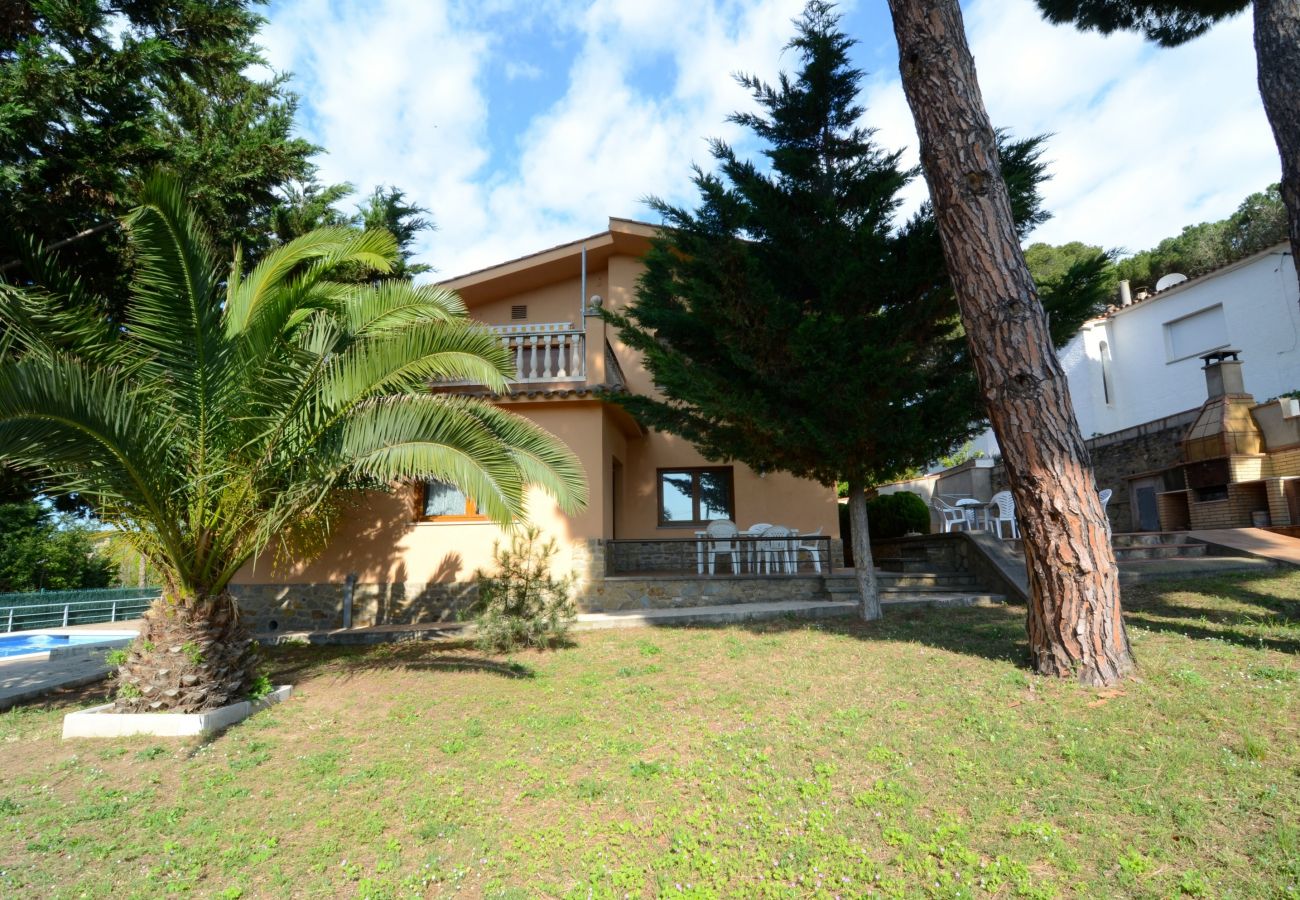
[(319, 606)]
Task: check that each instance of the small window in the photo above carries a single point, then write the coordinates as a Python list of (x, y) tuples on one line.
[(1104, 348), (440, 501), (695, 496), (519, 312)]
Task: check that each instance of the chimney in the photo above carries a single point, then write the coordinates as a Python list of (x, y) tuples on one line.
[(1125, 294), (1223, 373), (1225, 426)]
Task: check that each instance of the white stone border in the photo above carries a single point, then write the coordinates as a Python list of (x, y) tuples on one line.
[(100, 721)]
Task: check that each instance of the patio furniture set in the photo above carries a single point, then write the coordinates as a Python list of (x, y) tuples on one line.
[(991, 515), (760, 548)]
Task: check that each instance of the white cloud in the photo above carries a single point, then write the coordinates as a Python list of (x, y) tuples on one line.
[(1146, 140)]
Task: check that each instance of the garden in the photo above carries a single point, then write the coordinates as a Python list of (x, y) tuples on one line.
[(910, 757)]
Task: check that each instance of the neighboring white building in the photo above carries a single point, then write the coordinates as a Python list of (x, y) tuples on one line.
[(1140, 362)]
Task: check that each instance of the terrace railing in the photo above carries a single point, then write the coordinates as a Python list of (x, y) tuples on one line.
[(544, 353), (59, 609), (756, 556)]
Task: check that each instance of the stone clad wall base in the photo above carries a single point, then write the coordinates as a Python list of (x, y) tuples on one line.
[(673, 591), (319, 607)]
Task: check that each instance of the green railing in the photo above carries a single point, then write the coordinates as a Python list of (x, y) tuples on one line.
[(54, 609)]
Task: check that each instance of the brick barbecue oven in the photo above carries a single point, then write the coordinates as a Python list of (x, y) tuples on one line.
[(1241, 460)]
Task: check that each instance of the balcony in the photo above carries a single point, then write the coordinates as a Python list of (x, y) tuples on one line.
[(545, 352)]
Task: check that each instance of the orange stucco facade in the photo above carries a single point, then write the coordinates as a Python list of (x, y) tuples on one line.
[(379, 537)]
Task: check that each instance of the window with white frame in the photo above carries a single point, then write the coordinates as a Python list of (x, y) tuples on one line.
[(1195, 334)]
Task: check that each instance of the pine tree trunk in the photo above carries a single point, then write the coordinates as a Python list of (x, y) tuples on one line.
[(863, 565), (1074, 623), (190, 656), (1277, 55)]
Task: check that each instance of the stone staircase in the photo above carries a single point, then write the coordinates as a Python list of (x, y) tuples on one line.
[(1157, 555), (1144, 545), (916, 589)]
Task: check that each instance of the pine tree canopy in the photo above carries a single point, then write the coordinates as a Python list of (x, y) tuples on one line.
[(1167, 22), (791, 322), (93, 93)]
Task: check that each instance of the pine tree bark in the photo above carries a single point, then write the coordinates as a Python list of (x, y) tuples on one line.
[(1074, 623), (1277, 55), (191, 655), (864, 567)]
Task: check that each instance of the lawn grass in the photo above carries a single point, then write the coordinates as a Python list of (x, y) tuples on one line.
[(911, 758)]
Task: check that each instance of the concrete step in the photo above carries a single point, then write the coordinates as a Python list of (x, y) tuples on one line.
[(1137, 571), (907, 580), (1160, 551), (904, 564), (1149, 538), (1146, 545)]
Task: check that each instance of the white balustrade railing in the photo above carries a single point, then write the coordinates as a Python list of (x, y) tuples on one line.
[(542, 353)]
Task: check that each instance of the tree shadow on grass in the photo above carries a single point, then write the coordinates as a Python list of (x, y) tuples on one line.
[(995, 633), (289, 663), (1239, 610), (1192, 609)]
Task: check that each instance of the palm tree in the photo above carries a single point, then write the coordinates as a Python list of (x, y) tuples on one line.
[(230, 408)]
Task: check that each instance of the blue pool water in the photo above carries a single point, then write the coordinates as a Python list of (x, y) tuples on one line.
[(38, 642)]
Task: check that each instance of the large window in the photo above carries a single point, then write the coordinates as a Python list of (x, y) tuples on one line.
[(439, 501), (695, 496)]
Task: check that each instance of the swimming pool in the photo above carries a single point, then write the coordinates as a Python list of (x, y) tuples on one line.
[(29, 642)]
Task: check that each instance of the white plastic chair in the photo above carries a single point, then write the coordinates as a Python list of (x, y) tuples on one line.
[(774, 547), (950, 516), (721, 541), (1104, 497), (754, 531), (813, 549), (1002, 508)]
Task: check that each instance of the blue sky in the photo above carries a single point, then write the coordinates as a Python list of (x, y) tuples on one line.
[(522, 125)]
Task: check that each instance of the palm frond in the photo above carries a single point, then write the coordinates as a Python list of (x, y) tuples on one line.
[(415, 437), (393, 305), (543, 460), (93, 432), (321, 251), (409, 359)]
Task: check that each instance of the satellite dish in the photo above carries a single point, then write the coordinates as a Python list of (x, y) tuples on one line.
[(1170, 280)]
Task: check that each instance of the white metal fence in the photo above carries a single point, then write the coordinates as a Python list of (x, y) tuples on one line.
[(61, 609)]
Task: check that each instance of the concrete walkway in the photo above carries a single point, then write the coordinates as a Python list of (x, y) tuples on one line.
[(1255, 541), (22, 680)]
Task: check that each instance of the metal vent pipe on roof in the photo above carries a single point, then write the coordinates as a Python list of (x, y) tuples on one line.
[(1125, 294)]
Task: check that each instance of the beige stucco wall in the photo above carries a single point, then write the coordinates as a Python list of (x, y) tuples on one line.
[(379, 540), (558, 302)]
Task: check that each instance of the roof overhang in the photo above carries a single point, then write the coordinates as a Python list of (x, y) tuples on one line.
[(625, 237)]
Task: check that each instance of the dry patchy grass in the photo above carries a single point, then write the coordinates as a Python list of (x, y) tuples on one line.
[(911, 758)]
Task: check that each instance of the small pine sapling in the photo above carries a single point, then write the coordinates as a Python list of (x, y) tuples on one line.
[(522, 604)]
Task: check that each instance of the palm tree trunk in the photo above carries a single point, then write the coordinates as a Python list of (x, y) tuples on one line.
[(1277, 56), (863, 565), (1074, 623), (191, 655)]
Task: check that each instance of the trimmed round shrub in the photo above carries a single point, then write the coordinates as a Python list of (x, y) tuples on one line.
[(894, 515)]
